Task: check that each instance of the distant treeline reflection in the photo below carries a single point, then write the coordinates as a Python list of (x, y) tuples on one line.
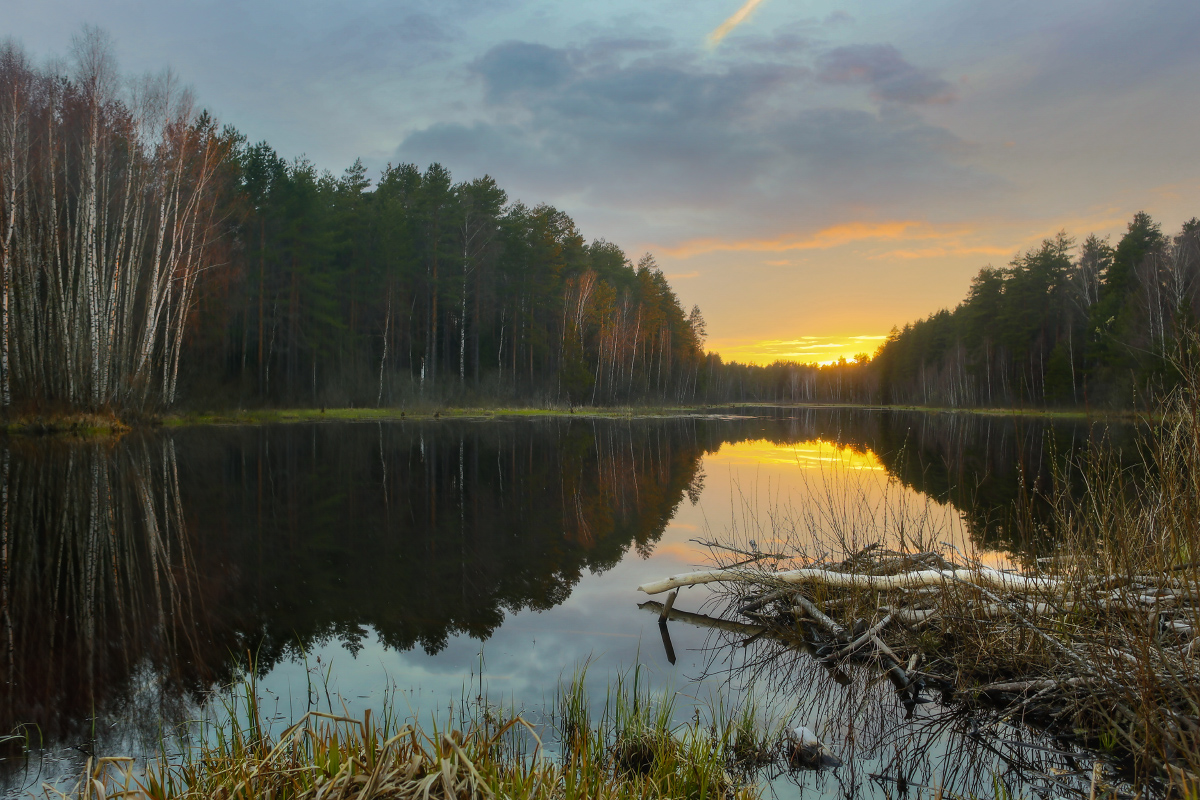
[(135, 571)]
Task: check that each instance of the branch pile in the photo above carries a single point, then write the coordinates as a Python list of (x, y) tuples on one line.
[(1109, 659)]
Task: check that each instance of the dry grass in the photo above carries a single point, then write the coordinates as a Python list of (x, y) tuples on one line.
[(633, 750), (1099, 643), (74, 423)]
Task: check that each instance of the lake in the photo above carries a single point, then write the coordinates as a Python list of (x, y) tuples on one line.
[(429, 564)]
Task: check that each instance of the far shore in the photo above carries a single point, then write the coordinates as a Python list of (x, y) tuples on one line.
[(422, 413), (103, 424)]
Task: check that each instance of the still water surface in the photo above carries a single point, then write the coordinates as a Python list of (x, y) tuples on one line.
[(432, 562)]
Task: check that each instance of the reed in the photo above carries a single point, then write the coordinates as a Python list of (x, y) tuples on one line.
[(632, 749)]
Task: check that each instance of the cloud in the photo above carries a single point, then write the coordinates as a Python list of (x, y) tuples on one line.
[(883, 68), (803, 349), (923, 253), (516, 68), (832, 236), (663, 141)]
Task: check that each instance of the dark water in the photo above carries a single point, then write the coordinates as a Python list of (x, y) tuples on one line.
[(436, 561)]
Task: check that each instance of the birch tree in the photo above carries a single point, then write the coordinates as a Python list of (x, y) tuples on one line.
[(108, 220)]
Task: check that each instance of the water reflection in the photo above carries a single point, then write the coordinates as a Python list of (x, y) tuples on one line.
[(424, 532), (889, 745), (134, 572), (104, 609)]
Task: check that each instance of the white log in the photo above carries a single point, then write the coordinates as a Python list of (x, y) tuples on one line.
[(983, 576)]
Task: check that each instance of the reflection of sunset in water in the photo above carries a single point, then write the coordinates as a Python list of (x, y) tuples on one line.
[(807, 498), (815, 454)]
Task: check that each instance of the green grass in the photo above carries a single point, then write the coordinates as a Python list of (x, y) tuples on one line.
[(100, 425), (633, 749), (88, 424), (294, 415), (291, 415)]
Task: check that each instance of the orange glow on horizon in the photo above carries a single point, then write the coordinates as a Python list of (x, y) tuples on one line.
[(803, 350)]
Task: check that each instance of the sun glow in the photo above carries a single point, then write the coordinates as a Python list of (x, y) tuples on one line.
[(802, 350), (815, 454)]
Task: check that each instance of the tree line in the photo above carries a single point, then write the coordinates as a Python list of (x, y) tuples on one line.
[(340, 291), (1062, 325), (148, 255), (107, 214)]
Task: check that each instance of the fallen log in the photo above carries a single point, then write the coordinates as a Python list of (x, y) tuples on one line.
[(982, 576), (911, 616), (1034, 685)]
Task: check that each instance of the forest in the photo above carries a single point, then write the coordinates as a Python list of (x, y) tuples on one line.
[(150, 257), (1062, 325)]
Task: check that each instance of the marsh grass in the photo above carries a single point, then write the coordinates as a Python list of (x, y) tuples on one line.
[(633, 748), (717, 753)]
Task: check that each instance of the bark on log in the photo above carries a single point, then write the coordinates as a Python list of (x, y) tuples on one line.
[(835, 630)]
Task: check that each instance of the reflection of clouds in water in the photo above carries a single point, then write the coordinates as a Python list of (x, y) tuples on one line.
[(525, 659), (531, 652), (773, 493)]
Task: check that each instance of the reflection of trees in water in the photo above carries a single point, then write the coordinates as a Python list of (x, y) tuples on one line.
[(997, 471), (133, 578), (99, 597), (425, 531)]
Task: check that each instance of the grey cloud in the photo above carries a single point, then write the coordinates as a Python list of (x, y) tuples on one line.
[(670, 133), (610, 49), (883, 68), (516, 68)]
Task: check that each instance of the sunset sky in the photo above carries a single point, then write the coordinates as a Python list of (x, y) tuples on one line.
[(809, 173)]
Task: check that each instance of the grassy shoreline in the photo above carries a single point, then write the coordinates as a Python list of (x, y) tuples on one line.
[(109, 424), (301, 415), (78, 424)]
